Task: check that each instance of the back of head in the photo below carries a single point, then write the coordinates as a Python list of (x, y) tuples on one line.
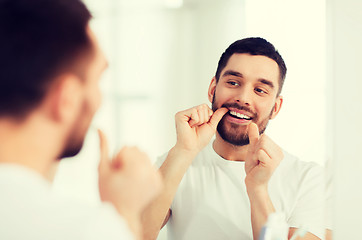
[(253, 46), (39, 39)]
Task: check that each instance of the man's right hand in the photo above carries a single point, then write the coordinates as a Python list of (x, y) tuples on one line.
[(196, 126), (128, 181)]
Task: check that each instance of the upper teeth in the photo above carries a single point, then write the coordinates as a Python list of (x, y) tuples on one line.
[(239, 115)]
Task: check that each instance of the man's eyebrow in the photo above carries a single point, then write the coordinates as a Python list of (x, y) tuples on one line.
[(267, 82), (232, 73), (238, 74)]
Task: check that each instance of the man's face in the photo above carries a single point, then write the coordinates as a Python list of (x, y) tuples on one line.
[(91, 100), (248, 87)]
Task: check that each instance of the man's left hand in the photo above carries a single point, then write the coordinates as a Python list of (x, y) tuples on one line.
[(262, 159)]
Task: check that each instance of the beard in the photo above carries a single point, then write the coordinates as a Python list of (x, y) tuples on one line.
[(74, 141), (72, 148), (234, 133)]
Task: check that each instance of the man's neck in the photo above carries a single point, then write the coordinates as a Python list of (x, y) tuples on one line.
[(28, 145), (229, 151)]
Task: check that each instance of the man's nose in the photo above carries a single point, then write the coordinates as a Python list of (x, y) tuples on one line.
[(244, 96)]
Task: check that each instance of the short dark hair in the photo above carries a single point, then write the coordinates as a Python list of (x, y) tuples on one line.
[(39, 40), (253, 46)]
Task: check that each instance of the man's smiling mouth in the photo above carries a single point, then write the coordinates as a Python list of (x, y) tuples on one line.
[(239, 115)]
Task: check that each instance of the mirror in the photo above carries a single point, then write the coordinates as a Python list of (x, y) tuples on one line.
[(163, 54)]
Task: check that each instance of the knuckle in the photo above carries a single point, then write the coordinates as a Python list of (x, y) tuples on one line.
[(204, 106), (281, 153), (262, 141), (260, 153), (178, 114), (266, 137)]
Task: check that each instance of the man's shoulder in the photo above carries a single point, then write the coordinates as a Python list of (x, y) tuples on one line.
[(295, 167), (291, 160), (25, 193)]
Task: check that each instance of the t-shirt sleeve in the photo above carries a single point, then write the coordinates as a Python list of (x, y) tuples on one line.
[(309, 209)]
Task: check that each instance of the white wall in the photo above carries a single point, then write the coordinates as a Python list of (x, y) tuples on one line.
[(345, 50), (298, 30)]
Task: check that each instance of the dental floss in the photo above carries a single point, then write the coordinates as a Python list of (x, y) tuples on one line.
[(299, 233)]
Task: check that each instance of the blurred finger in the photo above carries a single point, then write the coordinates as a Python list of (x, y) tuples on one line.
[(117, 159), (103, 145)]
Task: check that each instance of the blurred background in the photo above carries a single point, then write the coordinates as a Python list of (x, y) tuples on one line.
[(164, 53)]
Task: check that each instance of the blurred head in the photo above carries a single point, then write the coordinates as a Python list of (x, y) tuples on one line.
[(248, 82), (41, 40), (90, 95), (253, 46)]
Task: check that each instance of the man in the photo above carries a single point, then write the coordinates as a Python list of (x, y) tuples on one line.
[(50, 68), (226, 188)]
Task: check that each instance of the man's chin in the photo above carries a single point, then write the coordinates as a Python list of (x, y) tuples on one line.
[(235, 141), (229, 136)]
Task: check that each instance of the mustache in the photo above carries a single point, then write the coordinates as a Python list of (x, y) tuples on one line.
[(240, 107)]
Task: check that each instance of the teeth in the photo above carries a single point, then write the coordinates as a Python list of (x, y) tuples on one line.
[(239, 115)]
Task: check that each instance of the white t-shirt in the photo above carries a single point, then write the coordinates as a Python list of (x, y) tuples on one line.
[(29, 210), (212, 203)]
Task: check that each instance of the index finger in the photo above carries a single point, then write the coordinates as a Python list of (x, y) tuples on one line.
[(103, 145), (217, 116)]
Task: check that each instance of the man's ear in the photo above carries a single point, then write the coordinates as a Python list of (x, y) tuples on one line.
[(65, 98), (212, 88), (277, 107)]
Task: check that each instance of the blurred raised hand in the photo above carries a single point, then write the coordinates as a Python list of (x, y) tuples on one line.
[(129, 181)]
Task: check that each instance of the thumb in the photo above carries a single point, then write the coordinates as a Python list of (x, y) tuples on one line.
[(103, 145), (253, 133), (217, 116), (251, 160)]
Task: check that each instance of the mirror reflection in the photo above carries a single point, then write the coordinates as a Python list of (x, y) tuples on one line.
[(163, 56)]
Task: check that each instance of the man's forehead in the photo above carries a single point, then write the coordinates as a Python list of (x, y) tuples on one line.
[(252, 65)]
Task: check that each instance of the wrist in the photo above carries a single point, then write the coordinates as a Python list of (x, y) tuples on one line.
[(133, 219), (256, 190), (260, 202), (179, 150)]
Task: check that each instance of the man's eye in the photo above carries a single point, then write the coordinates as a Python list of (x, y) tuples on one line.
[(259, 90), (232, 83)]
